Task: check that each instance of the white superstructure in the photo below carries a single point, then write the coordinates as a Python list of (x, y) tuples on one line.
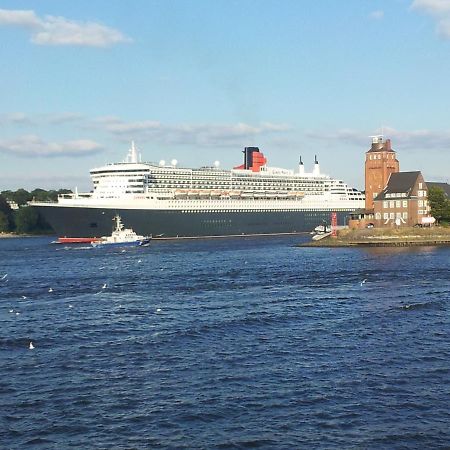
[(134, 184)]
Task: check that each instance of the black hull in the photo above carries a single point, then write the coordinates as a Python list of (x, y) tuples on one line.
[(96, 222)]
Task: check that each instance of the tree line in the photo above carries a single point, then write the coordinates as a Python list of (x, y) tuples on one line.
[(25, 220)]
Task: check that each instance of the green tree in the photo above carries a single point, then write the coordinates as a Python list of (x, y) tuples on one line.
[(39, 195), (4, 222), (7, 223), (27, 220), (439, 204), (21, 197)]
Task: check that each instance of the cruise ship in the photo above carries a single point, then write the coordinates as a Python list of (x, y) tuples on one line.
[(168, 201)]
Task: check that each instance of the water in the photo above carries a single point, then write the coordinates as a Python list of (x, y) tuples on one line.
[(229, 343)]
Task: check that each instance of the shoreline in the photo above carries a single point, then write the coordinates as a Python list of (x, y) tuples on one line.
[(407, 237), (14, 235)]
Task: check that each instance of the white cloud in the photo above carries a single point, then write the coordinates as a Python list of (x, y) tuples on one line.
[(189, 134), (32, 145), (440, 11), (51, 30), (410, 140), (26, 19), (432, 6), (15, 118), (61, 118), (376, 15)]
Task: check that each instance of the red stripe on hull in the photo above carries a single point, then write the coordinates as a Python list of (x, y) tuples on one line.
[(76, 240)]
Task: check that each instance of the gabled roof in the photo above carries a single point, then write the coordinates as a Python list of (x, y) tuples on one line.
[(444, 186), (399, 183)]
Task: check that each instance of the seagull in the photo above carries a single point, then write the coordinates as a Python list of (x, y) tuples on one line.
[(24, 297), (11, 310), (104, 286), (70, 306), (31, 346), (50, 290), (17, 313), (363, 281), (139, 260), (4, 276), (158, 310)]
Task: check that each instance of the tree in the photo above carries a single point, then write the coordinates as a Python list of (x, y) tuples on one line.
[(4, 222), (39, 195), (6, 219), (439, 204), (21, 197), (27, 220)]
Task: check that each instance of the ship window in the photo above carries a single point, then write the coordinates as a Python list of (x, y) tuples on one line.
[(93, 225)]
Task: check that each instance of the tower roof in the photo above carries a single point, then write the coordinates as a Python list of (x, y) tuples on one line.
[(380, 145)]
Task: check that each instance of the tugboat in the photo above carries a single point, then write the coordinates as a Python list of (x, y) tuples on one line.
[(122, 237)]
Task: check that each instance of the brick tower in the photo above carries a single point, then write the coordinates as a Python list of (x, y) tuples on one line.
[(381, 161)]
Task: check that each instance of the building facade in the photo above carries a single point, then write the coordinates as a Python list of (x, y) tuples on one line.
[(381, 162), (403, 202)]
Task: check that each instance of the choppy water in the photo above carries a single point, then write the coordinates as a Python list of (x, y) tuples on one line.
[(231, 343)]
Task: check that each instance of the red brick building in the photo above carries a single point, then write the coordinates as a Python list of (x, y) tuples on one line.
[(381, 162), (403, 202)]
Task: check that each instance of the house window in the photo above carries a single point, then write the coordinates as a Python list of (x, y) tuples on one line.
[(386, 216), (405, 215), (385, 205), (420, 193), (420, 185), (405, 203), (391, 216), (398, 215), (378, 216), (420, 203), (391, 204), (398, 204)]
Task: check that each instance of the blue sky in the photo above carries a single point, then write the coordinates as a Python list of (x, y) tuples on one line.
[(199, 80)]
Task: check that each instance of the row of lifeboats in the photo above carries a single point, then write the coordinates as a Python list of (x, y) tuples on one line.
[(207, 194)]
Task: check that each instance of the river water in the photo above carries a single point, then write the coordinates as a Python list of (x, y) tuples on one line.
[(225, 343)]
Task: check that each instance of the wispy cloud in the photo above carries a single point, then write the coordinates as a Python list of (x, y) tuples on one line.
[(61, 118), (32, 145), (376, 15), (432, 6), (15, 118), (415, 140), (197, 134), (52, 30), (423, 140), (439, 10)]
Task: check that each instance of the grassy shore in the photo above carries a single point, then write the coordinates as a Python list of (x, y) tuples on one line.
[(379, 237)]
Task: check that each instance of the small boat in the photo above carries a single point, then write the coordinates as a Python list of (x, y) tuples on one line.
[(122, 237), (322, 229)]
